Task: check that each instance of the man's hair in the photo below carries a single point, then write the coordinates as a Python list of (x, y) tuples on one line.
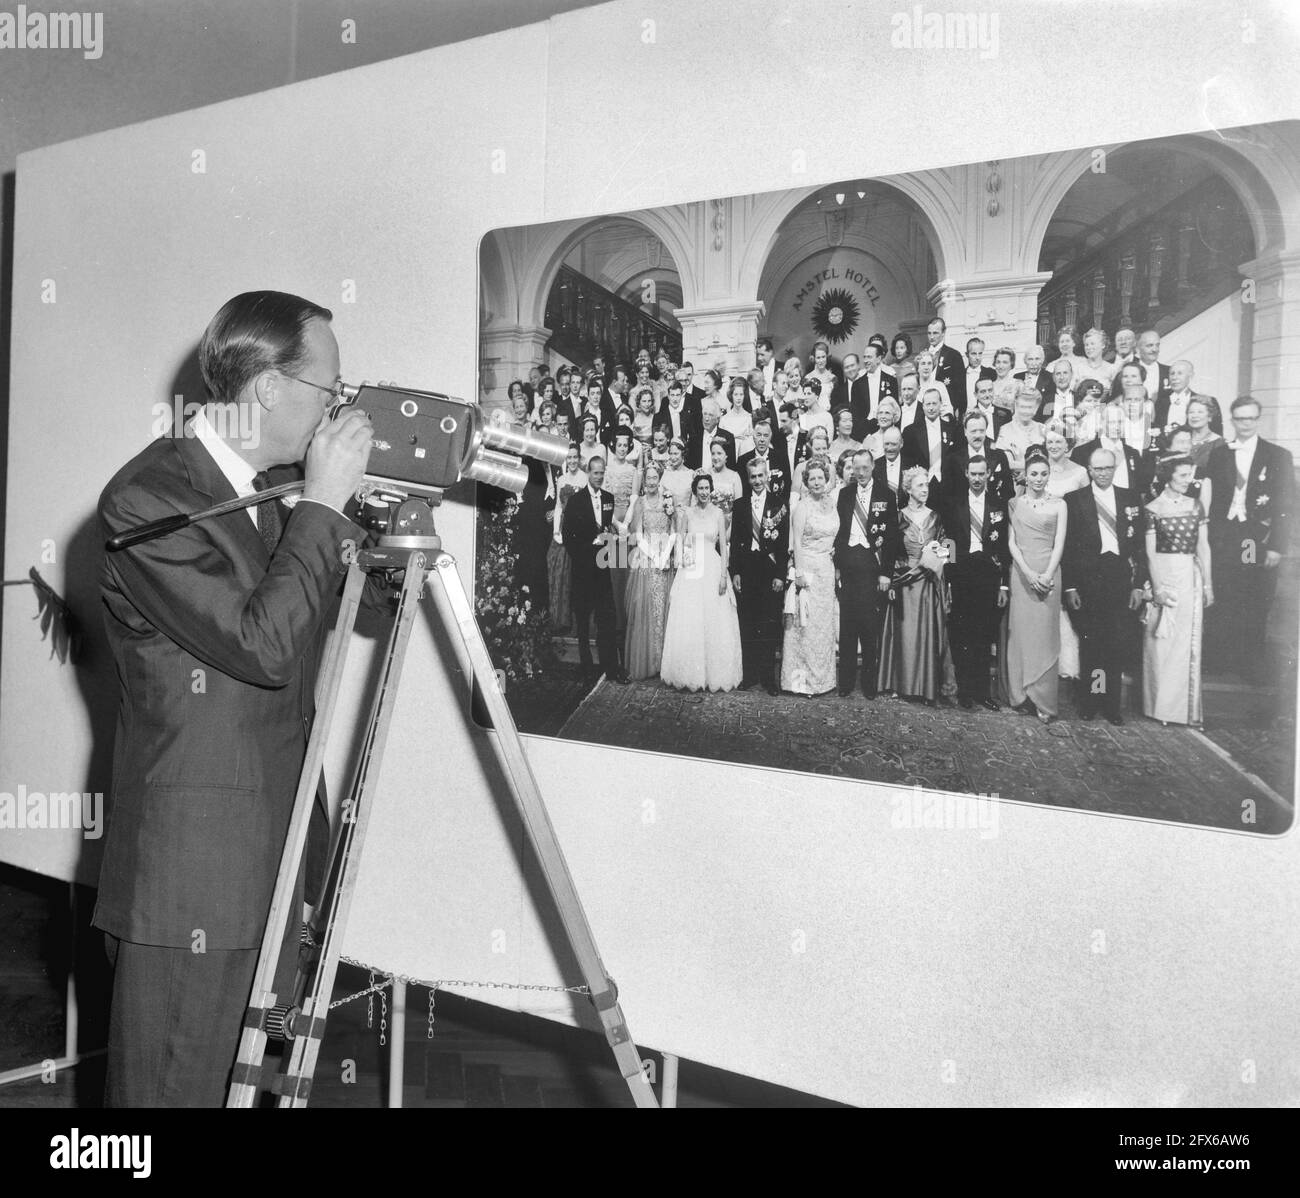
[(978, 459), (939, 320), (1242, 400), (255, 331), (765, 343), (975, 341), (973, 414)]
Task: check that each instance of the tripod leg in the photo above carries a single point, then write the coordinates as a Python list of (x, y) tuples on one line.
[(345, 855), (252, 1043), (456, 613)]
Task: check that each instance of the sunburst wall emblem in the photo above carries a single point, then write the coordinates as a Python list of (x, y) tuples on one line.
[(835, 315)]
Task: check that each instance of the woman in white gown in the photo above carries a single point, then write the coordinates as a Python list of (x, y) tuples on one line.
[(702, 636)]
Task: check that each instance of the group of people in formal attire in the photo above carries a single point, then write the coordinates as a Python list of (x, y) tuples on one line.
[(914, 524)]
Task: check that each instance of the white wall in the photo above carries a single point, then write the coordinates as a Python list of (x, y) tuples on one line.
[(1213, 342), (772, 923)]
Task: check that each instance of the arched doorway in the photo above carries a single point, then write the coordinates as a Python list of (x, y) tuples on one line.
[(1155, 240), (847, 261)]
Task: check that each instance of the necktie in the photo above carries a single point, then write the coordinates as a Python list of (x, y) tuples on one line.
[(268, 514)]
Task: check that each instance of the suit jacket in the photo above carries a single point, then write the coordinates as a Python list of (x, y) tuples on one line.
[(994, 530), (217, 645), (1083, 538), (950, 370), (1057, 404), (916, 445), (986, 372), (692, 422), (1161, 393), (882, 529), (771, 558), (879, 472), (1163, 400), (1042, 380), (1001, 484), (1000, 417), (1270, 491), (718, 434), (779, 474), (860, 401), (1081, 454), (578, 530)]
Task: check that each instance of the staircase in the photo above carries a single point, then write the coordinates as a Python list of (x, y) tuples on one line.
[(1154, 272), (585, 319)]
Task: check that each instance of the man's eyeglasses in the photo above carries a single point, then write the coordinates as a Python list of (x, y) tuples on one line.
[(335, 391)]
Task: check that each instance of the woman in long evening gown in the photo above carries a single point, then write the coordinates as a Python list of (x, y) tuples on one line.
[(702, 636), (1065, 476), (650, 577), (1034, 637), (811, 624), (558, 569), (915, 660), (1178, 555)]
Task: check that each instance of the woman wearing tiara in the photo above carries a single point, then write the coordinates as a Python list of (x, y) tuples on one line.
[(702, 636)]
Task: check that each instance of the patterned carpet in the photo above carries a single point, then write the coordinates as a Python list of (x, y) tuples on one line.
[(1139, 769)]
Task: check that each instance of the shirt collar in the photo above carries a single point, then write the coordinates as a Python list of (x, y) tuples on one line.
[(239, 474)]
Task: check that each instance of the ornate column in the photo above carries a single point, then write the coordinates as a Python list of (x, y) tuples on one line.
[(1275, 344), (507, 352), (721, 333), (1003, 310)]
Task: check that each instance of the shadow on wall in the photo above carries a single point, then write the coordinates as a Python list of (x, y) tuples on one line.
[(6, 290)]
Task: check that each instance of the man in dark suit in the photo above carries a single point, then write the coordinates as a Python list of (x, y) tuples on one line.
[(602, 407), (1155, 374), (1059, 397), (1103, 571), (975, 368), (1034, 374), (949, 368), (681, 417), (215, 631), (841, 394), (711, 431), (760, 545), (765, 355), (1128, 468), (994, 416), (998, 479), (909, 403), (866, 546), (771, 452), (866, 392), (927, 442), (888, 468), (587, 535), (1171, 407), (979, 573), (1250, 526)]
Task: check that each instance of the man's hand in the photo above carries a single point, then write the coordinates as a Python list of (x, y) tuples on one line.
[(336, 458), (882, 583), (1004, 596), (1072, 600), (778, 585), (735, 581), (1135, 599), (837, 580), (1272, 559)]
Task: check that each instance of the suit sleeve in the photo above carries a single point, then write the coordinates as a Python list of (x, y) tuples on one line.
[(1069, 555), (185, 586), (1280, 538), (893, 546)]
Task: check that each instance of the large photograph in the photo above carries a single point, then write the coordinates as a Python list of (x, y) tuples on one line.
[(830, 506)]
